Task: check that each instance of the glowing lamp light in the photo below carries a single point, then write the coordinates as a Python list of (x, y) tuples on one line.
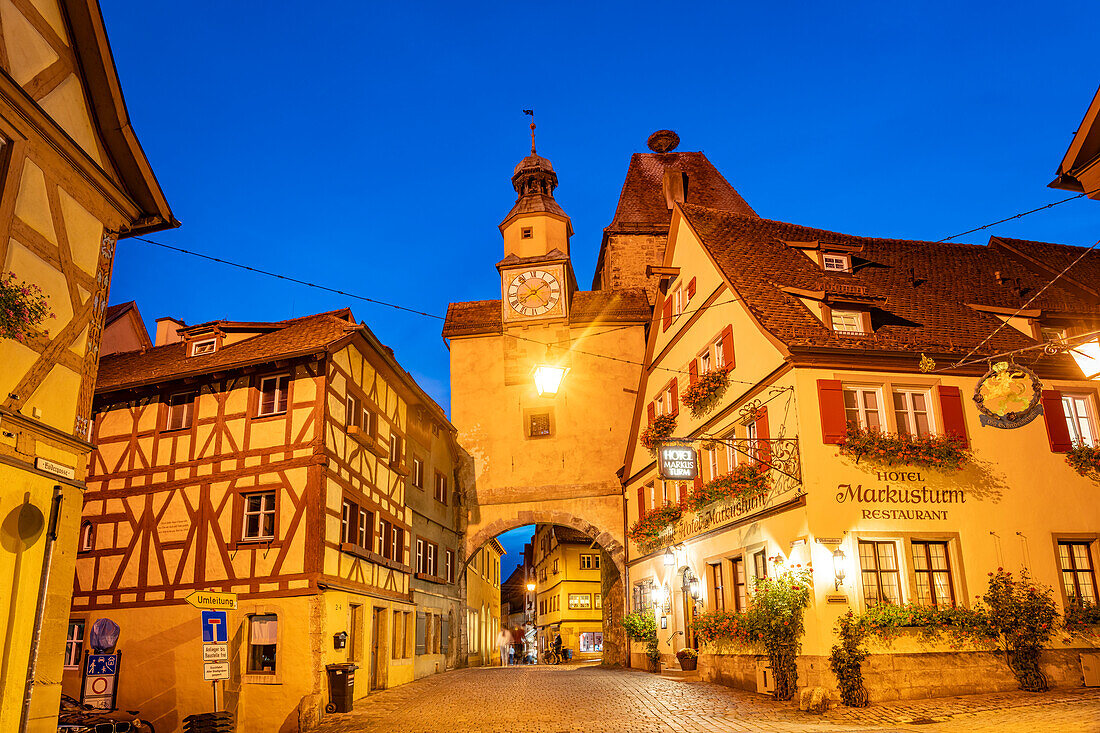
[(530, 586), (693, 588), (548, 379), (840, 566), (670, 558), (1087, 356), (660, 595)]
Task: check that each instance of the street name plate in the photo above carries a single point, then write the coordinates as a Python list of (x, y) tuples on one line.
[(828, 540), (57, 469), (215, 671), (215, 652)]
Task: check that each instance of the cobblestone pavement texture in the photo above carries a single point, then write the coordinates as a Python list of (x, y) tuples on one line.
[(595, 700)]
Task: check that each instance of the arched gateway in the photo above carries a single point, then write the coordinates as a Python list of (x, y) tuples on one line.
[(543, 388)]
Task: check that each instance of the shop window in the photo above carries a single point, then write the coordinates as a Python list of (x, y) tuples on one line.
[(740, 585), (912, 413), (259, 517), (263, 640), (74, 643), (862, 407), (273, 395), (932, 568), (1080, 419), (87, 537), (878, 562), (592, 641), (181, 410), (1078, 573)]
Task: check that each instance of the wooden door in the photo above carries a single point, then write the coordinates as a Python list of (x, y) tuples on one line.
[(377, 652)]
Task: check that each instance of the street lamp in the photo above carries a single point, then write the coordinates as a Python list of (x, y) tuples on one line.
[(840, 567), (530, 587), (548, 379), (1087, 356)]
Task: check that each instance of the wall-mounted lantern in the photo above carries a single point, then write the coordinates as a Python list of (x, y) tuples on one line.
[(548, 379), (530, 586), (670, 558), (840, 567), (1087, 356)]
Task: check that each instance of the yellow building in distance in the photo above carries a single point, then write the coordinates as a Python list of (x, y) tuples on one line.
[(568, 595), (483, 605), (269, 460), (74, 180)]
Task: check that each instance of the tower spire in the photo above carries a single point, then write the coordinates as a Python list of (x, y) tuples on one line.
[(531, 113)]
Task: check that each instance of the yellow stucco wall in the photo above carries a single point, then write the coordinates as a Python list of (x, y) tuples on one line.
[(483, 606)]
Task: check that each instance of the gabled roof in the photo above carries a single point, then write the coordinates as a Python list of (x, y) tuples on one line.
[(642, 204), (116, 311), (1083, 152), (922, 289), (477, 317)]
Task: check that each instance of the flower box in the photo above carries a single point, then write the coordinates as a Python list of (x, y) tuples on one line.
[(704, 394), (658, 431), (933, 451), (1085, 460)]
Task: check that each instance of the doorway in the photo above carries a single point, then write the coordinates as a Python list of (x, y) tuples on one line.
[(689, 591), (377, 652)]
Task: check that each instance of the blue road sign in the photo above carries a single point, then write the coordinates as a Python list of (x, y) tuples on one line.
[(214, 628), (102, 664)]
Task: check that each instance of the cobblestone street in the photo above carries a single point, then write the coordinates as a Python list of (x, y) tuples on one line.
[(595, 700)]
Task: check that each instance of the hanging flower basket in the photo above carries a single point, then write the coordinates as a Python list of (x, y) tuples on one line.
[(658, 431), (1085, 460), (653, 524), (747, 481), (706, 392), (23, 308), (934, 451)]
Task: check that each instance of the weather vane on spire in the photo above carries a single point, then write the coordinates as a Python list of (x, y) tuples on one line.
[(531, 112)]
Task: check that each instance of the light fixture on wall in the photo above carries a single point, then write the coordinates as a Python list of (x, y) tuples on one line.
[(693, 588), (840, 567), (1087, 356), (670, 558), (548, 375), (530, 586)]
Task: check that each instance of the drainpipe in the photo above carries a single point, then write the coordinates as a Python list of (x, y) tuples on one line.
[(627, 594), (43, 587)]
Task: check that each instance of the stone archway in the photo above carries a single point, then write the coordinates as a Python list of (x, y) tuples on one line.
[(603, 524)]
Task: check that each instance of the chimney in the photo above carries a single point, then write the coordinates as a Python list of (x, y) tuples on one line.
[(168, 331), (674, 186)]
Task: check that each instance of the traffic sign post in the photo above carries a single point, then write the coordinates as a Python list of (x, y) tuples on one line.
[(214, 671), (99, 686), (215, 628), (215, 635), (215, 652), (215, 600)]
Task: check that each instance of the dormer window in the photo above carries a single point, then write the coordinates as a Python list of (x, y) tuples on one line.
[(836, 263), (845, 321), (206, 346), (527, 233)]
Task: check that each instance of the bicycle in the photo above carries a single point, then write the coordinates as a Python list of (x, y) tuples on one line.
[(552, 657)]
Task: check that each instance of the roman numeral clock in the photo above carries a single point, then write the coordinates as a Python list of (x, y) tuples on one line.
[(533, 292)]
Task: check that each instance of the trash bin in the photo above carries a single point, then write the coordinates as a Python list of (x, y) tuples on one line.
[(341, 686), (568, 654)]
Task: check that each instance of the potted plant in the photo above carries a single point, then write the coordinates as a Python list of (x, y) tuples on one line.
[(1085, 460), (706, 391), (658, 431), (642, 626), (689, 658)]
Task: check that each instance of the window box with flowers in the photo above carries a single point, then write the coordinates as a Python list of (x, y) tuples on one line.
[(658, 431), (748, 481), (23, 308), (1085, 460), (933, 451), (704, 394), (652, 526)]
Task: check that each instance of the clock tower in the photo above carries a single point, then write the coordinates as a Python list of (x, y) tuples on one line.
[(536, 277)]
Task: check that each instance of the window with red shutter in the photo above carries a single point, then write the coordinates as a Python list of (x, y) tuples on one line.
[(691, 289), (951, 412), (693, 372), (727, 348), (674, 391), (1054, 415), (666, 314), (641, 501), (830, 401), (683, 493), (651, 412), (764, 448)]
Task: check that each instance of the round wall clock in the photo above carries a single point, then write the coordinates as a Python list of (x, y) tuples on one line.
[(534, 292)]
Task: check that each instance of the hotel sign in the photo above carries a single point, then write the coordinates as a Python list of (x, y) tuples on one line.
[(1008, 396), (677, 462), (912, 499)]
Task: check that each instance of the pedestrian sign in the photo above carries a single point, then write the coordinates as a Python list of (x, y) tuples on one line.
[(100, 680), (215, 630)]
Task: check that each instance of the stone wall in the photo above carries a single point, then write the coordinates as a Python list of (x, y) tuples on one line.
[(905, 676), (625, 260)]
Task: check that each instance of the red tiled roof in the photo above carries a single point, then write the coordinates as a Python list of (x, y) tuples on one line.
[(116, 311), (478, 317), (642, 201), (923, 287), (1053, 258), (568, 535), (293, 337)]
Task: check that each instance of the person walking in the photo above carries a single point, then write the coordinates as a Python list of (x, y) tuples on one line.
[(557, 648), (504, 640)]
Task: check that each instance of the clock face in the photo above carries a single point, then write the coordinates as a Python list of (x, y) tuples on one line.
[(534, 293)]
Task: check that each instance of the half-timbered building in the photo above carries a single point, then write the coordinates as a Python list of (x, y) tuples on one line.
[(73, 180), (269, 460)]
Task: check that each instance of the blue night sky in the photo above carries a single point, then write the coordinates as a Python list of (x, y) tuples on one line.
[(369, 146)]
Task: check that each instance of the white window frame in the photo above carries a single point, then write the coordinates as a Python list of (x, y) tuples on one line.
[(352, 416), (831, 262), (712, 461), (1078, 409), (282, 394), (199, 348), (719, 355), (704, 361), (839, 317), (419, 555), (861, 404), (449, 565), (264, 510), (910, 411), (185, 411), (74, 645), (677, 302), (731, 452), (431, 564), (418, 473)]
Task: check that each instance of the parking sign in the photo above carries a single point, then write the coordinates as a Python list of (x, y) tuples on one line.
[(214, 627)]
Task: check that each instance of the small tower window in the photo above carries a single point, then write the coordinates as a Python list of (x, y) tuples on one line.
[(87, 537), (527, 233)]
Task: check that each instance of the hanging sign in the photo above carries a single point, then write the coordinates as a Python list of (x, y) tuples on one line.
[(1008, 396), (677, 461)]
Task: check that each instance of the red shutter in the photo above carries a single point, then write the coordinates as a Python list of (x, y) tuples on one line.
[(691, 289), (641, 501), (1055, 416), (674, 387), (764, 449), (727, 347), (693, 372), (666, 314), (651, 412), (699, 481), (683, 492), (951, 411), (830, 400)]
